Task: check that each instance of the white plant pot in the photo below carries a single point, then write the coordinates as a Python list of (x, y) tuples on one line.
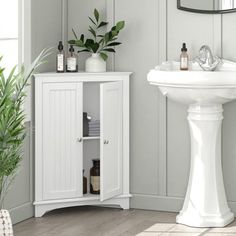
[(95, 63), (5, 223)]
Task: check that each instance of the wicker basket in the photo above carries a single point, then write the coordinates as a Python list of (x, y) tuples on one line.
[(5, 224)]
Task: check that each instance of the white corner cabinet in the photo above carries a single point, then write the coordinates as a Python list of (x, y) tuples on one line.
[(61, 151)]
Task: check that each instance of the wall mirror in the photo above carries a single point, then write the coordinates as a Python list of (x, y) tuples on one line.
[(207, 6)]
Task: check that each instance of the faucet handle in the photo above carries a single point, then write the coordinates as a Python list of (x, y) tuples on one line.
[(206, 60)]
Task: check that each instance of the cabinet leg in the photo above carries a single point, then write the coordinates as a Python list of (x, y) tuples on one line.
[(125, 204), (39, 211)]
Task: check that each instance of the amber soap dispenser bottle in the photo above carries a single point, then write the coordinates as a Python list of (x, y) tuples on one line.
[(184, 58)]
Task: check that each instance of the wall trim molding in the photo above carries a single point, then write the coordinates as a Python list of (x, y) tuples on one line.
[(24, 211), (64, 22), (158, 203), (31, 158), (26, 47), (217, 35), (162, 101), (110, 15)]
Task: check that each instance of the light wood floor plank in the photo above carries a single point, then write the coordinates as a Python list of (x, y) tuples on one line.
[(98, 221)]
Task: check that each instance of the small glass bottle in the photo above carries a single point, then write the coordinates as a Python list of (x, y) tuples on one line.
[(72, 65), (184, 58), (84, 184), (60, 58), (95, 177)]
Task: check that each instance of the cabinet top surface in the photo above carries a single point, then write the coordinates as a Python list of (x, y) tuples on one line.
[(82, 74)]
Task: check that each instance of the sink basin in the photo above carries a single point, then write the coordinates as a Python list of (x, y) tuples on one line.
[(196, 85), (205, 203)]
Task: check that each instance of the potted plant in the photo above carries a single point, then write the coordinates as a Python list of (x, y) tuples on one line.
[(12, 130), (100, 43)]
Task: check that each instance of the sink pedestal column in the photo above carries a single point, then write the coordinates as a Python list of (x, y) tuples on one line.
[(205, 203)]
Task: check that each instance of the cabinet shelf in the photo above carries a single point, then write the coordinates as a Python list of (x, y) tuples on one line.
[(91, 138)]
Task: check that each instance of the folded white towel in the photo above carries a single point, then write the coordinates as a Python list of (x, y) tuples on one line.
[(94, 135)]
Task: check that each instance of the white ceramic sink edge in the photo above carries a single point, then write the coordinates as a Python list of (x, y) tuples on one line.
[(168, 74)]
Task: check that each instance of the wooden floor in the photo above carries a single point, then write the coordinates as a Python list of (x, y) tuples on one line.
[(96, 221)]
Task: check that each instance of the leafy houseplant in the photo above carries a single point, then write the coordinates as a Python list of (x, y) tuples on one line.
[(12, 128), (100, 44)]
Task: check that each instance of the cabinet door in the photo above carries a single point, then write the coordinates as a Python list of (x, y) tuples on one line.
[(62, 147), (111, 140)]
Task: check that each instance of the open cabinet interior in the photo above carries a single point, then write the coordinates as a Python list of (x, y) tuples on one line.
[(103, 104), (91, 144)]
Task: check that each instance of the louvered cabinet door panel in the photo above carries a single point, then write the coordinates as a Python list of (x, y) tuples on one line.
[(62, 128)]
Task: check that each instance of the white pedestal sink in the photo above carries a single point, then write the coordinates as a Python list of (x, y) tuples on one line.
[(204, 92)]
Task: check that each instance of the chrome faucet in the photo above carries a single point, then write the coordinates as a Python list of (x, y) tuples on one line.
[(206, 60)]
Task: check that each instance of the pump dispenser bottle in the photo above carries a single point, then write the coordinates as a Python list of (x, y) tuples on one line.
[(184, 58), (72, 65), (60, 58)]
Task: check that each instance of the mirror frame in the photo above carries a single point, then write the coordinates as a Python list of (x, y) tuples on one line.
[(204, 11)]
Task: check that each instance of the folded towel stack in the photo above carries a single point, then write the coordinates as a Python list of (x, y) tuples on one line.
[(94, 128)]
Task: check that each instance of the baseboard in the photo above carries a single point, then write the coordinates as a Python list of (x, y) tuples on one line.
[(157, 203), (161, 203), (138, 201), (24, 211), (232, 206)]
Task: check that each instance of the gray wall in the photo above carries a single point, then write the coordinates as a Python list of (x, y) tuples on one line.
[(160, 145), (46, 26), (46, 31)]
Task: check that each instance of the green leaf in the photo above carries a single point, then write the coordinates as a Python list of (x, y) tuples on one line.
[(92, 20), (12, 128), (109, 50), (104, 56), (96, 14), (113, 44), (92, 31), (79, 43), (95, 47), (102, 24), (120, 25), (114, 33), (84, 50), (88, 43), (113, 39), (100, 41), (107, 37), (74, 33), (72, 42)]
